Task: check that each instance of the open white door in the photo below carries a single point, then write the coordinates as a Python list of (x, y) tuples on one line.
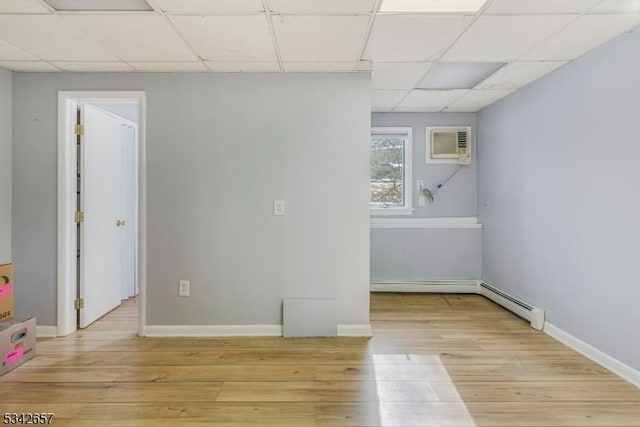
[(101, 200)]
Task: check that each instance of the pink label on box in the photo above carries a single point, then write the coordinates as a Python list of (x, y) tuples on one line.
[(13, 356), (5, 290)]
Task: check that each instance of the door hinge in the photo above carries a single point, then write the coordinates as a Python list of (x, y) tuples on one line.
[(78, 129), (78, 303), (78, 217)]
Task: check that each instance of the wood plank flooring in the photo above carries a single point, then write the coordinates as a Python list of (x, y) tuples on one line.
[(434, 360)]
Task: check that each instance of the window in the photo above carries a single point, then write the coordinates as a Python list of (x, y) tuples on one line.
[(391, 171)]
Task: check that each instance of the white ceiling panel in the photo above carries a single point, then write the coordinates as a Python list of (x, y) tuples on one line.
[(320, 66), (522, 7), (27, 66), (136, 37), (387, 99), (92, 66), (320, 38), (583, 35), (430, 100), (206, 7), (478, 99), (22, 6), (518, 74), (398, 75), (228, 38), (168, 66), (268, 66), (413, 37), (12, 53), (505, 38), (632, 6), (49, 37), (321, 6)]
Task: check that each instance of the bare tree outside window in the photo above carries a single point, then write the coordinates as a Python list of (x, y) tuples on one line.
[(387, 170)]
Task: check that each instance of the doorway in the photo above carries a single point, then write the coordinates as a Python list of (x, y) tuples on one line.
[(100, 206)]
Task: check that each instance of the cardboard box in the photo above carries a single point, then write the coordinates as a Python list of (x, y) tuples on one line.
[(17, 343), (6, 292)]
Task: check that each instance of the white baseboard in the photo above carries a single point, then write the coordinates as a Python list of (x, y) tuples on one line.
[(241, 330), (355, 330), (213, 331), (624, 371), (45, 331), (430, 286)]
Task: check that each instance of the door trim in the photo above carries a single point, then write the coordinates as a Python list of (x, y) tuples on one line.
[(67, 103)]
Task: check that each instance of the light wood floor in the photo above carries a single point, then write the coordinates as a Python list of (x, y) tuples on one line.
[(435, 360)]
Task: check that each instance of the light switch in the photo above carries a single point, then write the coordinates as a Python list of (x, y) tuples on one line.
[(183, 288), (278, 207)]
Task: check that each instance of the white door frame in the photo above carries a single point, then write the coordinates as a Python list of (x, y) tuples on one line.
[(67, 102)]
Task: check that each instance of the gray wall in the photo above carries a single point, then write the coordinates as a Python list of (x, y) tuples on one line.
[(431, 254), (5, 166), (425, 254), (128, 110), (220, 149), (558, 166), (458, 196)]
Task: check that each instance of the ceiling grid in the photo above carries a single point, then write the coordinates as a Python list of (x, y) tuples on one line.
[(426, 60)]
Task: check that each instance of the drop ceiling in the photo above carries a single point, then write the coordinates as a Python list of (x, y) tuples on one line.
[(516, 41)]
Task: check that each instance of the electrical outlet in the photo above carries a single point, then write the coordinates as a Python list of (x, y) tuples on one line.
[(183, 288), (422, 200), (420, 184)]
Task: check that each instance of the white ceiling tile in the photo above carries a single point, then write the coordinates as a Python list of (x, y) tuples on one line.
[(320, 38), (228, 38), (398, 75), (521, 7), (478, 99), (12, 53), (22, 6), (433, 6), (430, 100), (518, 74), (49, 37), (413, 37), (27, 66), (632, 6), (583, 35), (505, 38), (92, 66), (320, 66), (168, 66), (209, 6), (375, 109), (100, 5), (387, 98), (268, 66), (135, 37), (322, 6), (458, 75)]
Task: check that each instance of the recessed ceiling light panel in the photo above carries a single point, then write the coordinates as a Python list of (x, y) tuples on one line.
[(100, 5), (458, 75), (451, 6)]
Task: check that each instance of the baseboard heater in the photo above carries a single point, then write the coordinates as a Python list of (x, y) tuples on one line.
[(533, 315)]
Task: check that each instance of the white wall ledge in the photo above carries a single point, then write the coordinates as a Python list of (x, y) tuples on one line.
[(450, 223)]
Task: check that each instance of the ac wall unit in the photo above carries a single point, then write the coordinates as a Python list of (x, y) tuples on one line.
[(448, 144)]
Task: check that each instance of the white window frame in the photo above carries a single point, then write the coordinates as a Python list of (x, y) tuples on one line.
[(407, 209)]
